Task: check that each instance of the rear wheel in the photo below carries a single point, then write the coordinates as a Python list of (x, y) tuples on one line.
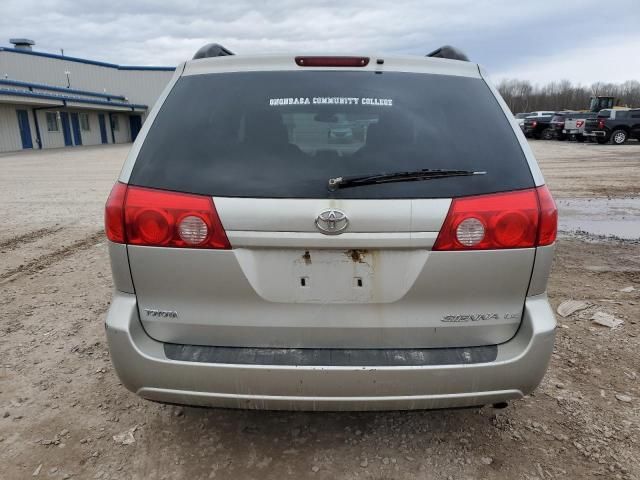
[(618, 137), (602, 140), (579, 138), (547, 134)]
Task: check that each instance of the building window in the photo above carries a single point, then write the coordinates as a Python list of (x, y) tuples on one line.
[(115, 124), (84, 122), (52, 121)]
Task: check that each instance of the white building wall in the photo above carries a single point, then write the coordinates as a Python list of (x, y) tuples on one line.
[(122, 135), (139, 86), (50, 139), (9, 130), (92, 137)]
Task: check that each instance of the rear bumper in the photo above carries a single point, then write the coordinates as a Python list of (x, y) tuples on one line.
[(143, 368), (595, 133)]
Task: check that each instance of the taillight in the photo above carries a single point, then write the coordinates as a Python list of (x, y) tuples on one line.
[(579, 123), (548, 223), (534, 123), (157, 218), (114, 213), (600, 123), (519, 219), (317, 61)]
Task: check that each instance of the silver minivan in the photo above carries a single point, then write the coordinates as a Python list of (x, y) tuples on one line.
[(262, 260)]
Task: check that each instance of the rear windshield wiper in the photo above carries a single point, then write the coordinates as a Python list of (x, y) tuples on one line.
[(424, 174)]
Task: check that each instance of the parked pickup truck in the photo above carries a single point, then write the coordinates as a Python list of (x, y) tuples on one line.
[(557, 125), (538, 126), (520, 118), (574, 125), (614, 125)]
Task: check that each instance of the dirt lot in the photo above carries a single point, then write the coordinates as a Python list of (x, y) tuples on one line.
[(61, 403)]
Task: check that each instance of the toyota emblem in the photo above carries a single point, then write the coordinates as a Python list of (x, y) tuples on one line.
[(332, 222)]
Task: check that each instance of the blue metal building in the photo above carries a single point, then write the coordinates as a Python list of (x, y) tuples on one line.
[(49, 100)]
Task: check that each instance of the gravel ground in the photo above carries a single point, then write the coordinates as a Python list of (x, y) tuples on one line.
[(61, 403)]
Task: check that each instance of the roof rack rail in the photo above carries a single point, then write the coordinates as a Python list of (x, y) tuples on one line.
[(447, 51), (212, 50)]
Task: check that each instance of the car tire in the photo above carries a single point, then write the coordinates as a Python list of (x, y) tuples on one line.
[(547, 134), (579, 138), (601, 140), (619, 137)]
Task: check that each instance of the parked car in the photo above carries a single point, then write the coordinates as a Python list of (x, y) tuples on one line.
[(538, 126), (557, 125), (403, 274), (574, 125), (520, 118), (542, 113), (614, 125)]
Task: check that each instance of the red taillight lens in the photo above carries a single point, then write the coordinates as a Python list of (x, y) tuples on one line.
[(518, 219), (148, 226), (159, 218), (579, 123), (600, 123), (114, 213), (332, 61), (548, 227), (534, 123)]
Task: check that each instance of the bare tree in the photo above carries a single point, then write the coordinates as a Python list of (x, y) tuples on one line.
[(522, 96)]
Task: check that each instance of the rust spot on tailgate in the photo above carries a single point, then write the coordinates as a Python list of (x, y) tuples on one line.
[(357, 256)]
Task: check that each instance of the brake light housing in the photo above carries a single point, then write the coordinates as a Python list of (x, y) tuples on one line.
[(519, 219), (114, 213), (158, 218), (600, 123), (548, 221), (335, 61)]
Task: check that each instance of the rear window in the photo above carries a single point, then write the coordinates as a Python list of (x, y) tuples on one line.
[(284, 134), (604, 114)]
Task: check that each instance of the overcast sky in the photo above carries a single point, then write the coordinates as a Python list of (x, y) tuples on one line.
[(582, 41)]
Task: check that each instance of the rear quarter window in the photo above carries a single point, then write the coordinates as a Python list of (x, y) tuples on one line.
[(284, 134)]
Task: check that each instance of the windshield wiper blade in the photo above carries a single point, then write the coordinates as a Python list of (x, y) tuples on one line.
[(424, 174)]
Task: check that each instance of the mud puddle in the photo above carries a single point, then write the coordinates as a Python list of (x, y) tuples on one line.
[(602, 217)]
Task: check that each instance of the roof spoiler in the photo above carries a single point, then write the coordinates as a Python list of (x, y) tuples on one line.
[(447, 51), (212, 50), (217, 50)]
